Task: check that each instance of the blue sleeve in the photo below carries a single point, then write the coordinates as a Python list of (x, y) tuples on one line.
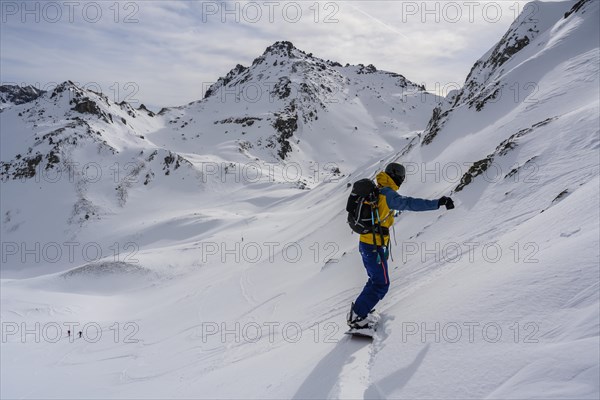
[(401, 203)]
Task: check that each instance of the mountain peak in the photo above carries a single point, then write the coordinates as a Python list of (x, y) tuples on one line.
[(68, 87), (283, 48), (278, 51)]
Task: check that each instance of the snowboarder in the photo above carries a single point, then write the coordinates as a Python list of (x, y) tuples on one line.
[(374, 247), (80, 333), (69, 333)]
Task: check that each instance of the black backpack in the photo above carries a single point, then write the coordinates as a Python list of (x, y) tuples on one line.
[(362, 206)]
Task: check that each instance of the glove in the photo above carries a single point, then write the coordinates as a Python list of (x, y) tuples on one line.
[(446, 201)]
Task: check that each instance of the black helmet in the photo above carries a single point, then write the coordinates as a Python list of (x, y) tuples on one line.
[(396, 172)]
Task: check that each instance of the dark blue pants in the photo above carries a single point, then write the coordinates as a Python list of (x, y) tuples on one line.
[(375, 261)]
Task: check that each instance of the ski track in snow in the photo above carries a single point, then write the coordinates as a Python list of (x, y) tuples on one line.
[(343, 373)]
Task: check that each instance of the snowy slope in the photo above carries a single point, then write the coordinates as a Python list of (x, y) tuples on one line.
[(241, 291)]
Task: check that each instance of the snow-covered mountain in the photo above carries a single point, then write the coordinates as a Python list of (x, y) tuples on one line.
[(215, 270), (293, 107), (15, 94), (72, 158)]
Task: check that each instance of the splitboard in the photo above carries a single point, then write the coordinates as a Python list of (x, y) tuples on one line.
[(364, 332)]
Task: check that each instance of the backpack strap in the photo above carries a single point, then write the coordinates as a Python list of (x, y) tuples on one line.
[(380, 229), (377, 224)]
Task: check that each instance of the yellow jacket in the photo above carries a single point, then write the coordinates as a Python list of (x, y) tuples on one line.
[(386, 216), (388, 201)]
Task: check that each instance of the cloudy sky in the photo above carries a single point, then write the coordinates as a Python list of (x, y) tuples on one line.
[(166, 53)]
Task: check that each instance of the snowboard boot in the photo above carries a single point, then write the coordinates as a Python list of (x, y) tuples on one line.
[(356, 322)]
